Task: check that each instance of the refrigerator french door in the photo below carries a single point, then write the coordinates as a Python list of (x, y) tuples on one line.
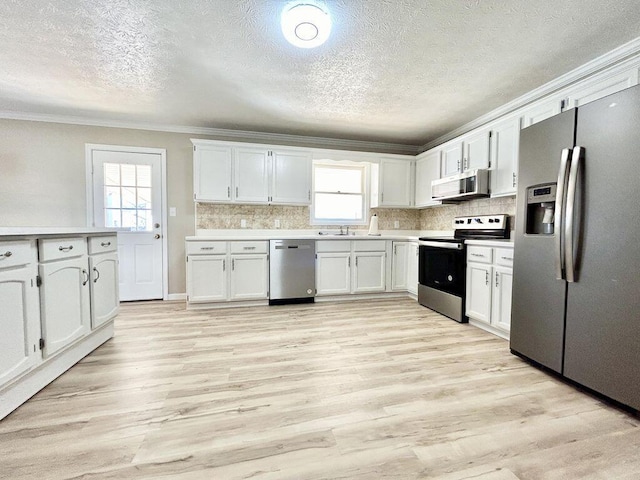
[(576, 285)]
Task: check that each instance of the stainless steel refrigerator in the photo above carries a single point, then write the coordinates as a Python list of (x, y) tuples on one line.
[(576, 279)]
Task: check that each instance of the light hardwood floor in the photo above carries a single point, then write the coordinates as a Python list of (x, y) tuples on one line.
[(357, 390)]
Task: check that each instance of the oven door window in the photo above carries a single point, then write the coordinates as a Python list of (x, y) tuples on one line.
[(442, 269)]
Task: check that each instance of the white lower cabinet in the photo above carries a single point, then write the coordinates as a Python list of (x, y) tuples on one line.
[(412, 267), (19, 316), (226, 271), (344, 267), (103, 267), (57, 297), (489, 282), (249, 277)]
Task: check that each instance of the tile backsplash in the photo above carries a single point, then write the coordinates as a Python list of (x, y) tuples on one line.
[(220, 217)]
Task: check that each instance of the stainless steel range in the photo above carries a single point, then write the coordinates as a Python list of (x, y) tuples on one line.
[(443, 263)]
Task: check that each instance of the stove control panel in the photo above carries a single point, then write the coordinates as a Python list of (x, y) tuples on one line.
[(481, 222)]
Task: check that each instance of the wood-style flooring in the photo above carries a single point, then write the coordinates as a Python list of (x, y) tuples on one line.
[(358, 390)]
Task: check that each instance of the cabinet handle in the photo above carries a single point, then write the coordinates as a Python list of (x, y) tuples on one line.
[(65, 249), (486, 278), (236, 192), (248, 248), (228, 192), (309, 195), (349, 262), (7, 254), (507, 258), (224, 265), (356, 261), (496, 279), (105, 244), (458, 164), (206, 248), (95, 280), (514, 179), (86, 277), (233, 264), (477, 255)]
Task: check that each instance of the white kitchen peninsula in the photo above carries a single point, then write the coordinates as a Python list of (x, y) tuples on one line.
[(59, 296)]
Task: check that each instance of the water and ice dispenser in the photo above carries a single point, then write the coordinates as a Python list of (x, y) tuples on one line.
[(541, 204)]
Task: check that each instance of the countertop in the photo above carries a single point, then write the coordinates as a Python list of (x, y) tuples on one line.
[(506, 243), (248, 235), (12, 232)]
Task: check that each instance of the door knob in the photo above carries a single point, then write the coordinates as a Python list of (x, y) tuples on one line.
[(156, 236), (156, 225)]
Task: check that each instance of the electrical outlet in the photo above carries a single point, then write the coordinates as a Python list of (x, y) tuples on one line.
[(276, 223), (172, 211), (243, 223), (396, 224)]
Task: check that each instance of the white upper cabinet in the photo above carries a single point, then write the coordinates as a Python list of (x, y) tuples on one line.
[(225, 172), (291, 178), (427, 170), (466, 153), (212, 173), (595, 88), (505, 142), (251, 179), (540, 111), (476, 150), (391, 183), (452, 158)]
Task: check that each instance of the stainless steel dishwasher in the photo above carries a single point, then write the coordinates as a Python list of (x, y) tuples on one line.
[(292, 271)]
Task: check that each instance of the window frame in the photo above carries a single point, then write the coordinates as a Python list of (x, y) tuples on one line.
[(347, 165)]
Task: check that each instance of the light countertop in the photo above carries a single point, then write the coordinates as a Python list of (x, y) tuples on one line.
[(506, 243), (247, 235), (12, 232)]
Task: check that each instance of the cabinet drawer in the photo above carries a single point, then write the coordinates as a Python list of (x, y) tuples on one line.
[(61, 248), (206, 248), (504, 256), (249, 247), (323, 246), (479, 254), (16, 253), (103, 244), (370, 245)]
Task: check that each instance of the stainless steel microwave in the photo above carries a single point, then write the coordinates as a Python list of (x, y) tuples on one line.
[(463, 186)]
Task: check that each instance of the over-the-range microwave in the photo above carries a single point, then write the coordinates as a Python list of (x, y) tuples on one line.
[(463, 186)]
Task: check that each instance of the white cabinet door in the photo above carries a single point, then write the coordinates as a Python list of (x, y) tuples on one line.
[(427, 170), (291, 178), (476, 150), (540, 111), (591, 90), (369, 274), (452, 158), (412, 268), (249, 277), (212, 173), (333, 273), (19, 322), (478, 304), (251, 179), (64, 302), (504, 157), (399, 266), (501, 303), (104, 288), (206, 278), (395, 183)]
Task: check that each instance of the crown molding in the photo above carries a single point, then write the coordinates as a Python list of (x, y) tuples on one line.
[(222, 133), (626, 53)]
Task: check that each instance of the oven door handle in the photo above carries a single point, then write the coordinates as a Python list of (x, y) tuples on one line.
[(450, 246)]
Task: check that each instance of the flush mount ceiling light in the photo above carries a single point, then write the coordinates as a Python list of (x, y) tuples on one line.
[(305, 24)]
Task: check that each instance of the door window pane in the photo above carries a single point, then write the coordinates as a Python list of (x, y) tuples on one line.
[(336, 179), (128, 196), (331, 206), (339, 193)]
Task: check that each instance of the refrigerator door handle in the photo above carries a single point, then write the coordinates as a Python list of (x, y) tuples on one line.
[(560, 207), (576, 162)]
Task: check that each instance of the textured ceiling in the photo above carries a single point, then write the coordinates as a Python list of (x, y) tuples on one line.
[(404, 71)]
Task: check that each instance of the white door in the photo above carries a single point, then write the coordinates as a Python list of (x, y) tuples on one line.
[(396, 183), (333, 273), (127, 195), (501, 311), (370, 272), (104, 287), (291, 182), (479, 292), (399, 270), (206, 278), (249, 277), (412, 268), (477, 151), (251, 176), (427, 170), (452, 159)]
